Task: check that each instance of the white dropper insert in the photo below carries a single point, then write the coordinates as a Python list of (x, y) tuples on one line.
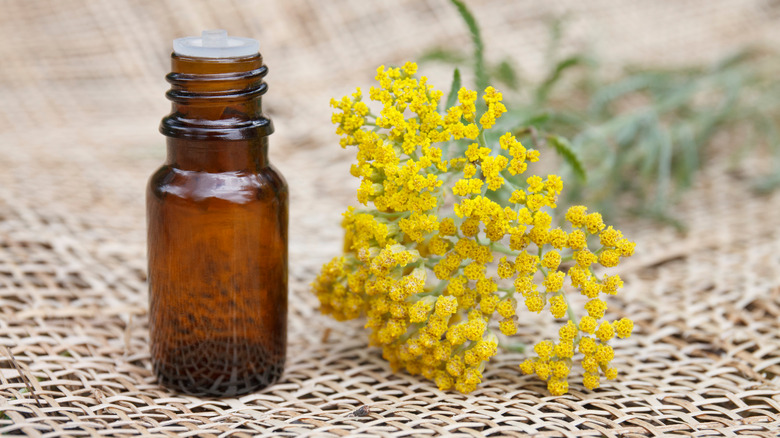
[(215, 44)]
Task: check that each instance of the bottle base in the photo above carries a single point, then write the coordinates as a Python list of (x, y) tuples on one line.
[(226, 369)]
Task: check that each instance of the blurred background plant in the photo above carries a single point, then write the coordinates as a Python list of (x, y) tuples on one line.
[(634, 138)]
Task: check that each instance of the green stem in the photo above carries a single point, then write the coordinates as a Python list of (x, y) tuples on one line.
[(481, 140), (516, 347), (385, 215), (497, 247), (430, 262), (508, 292), (437, 290), (415, 328), (570, 313), (508, 182)]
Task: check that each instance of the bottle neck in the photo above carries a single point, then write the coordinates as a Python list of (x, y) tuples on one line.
[(216, 99), (217, 156)]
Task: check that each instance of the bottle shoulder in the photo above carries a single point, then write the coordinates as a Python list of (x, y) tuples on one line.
[(239, 187)]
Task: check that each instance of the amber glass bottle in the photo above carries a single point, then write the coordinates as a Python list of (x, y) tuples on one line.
[(217, 227)]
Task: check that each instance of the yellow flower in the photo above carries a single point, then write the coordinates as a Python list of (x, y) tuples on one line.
[(534, 303), (544, 349), (626, 247), (467, 99), (446, 306), (609, 258), (474, 271), (585, 258), (474, 329), (470, 227), (565, 349), (596, 308), (604, 354), (488, 304), (438, 246), (605, 331), (486, 286), (587, 345), (610, 237), (417, 226), (590, 364), (591, 289), (554, 281), (447, 227), (577, 240), (494, 108), (576, 215), (455, 366), (508, 326), (469, 380), (568, 332), (591, 380), (507, 307), (410, 68), (624, 327), (443, 381), (518, 197), (468, 186), (542, 369), (558, 306), (558, 386), (535, 184), (611, 284), (526, 263), (551, 260), (455, 334), (527, 366), (559, 369), (558, 238), (431, 208), (505, 269), (587, 324), (486, 348), (594, 223)]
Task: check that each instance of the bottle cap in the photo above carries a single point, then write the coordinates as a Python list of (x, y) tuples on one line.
[(215, 44)]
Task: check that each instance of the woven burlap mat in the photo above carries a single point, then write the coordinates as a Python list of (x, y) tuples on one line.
[(81, 94)]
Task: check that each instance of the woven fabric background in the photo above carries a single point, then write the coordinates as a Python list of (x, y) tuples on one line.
[(81, 95)]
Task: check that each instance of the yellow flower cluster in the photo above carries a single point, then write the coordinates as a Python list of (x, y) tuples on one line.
[(453, 237)]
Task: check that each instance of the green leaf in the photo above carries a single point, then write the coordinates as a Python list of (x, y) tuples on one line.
[(766, 184), (664, 183), (688, 158), (479, 46), (609, 93), (544, 89), (564, 149), (538, 119), (453, 96), (439, 54), (505, 73)]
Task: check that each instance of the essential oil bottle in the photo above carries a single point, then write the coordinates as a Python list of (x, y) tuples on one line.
[(217, 214)]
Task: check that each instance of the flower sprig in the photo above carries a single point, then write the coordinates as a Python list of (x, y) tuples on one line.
[(451, 242)]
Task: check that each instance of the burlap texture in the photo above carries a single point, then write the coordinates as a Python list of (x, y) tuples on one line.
[(81, 96)]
